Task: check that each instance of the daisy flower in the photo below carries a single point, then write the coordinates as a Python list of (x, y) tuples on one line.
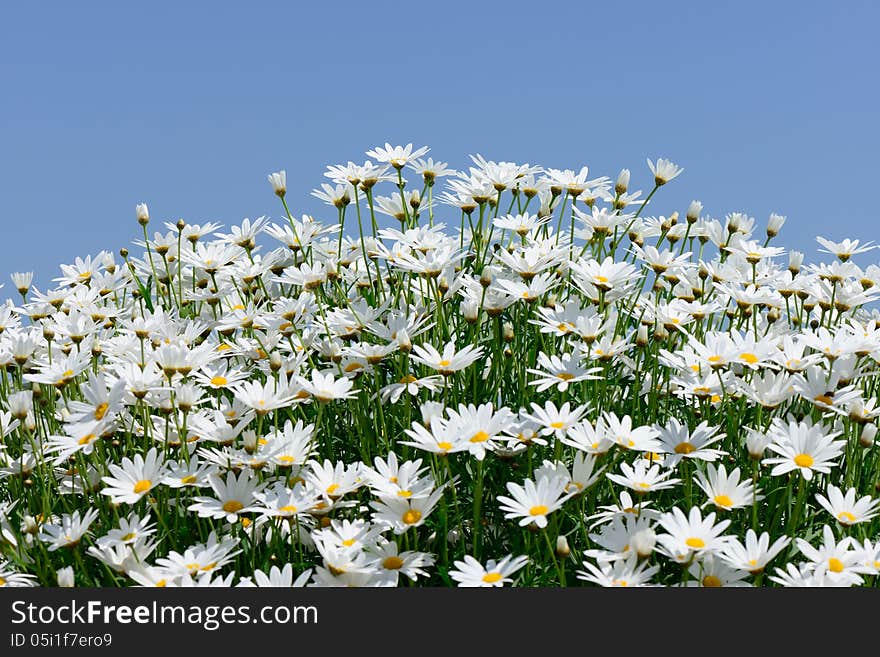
[(755, 554), (276, 578), (622, 433), (663, 170), (134, 478), (442, 438), (68, 531), (130, 530), (555, 421), (588, 438), (392, 563), (725, 491), (691, 534), (471, 573), (397, 156), (401, 513), (560, 372), (713, 572), (623, 573), (12, 578), (643, 478), (679, 443), (324, 387), (838, 560), (532, 501), (803, 447), (845, 508), (234, 496), (450, 361), (481, 425)]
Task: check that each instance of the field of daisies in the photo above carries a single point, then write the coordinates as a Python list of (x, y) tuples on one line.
[(506, 376)]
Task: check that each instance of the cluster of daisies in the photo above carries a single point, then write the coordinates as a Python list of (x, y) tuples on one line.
[(528, 378)]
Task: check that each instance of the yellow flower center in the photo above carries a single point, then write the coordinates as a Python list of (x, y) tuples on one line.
[(349, 542), (189, 479), (128, 537), (444, 363), (408, 379), (219, 380), (695, 542), (538, 510), (288, 508), (723, 500), (803, 460), (835, 565), (392, 563), (712, 582), (601, 279), (565, 376), (143, 486), (101, 410), (557, 425), (412, 516), (751, 359), (491, 578), (714, 359), (480, 437), (846, 517), (644, 485), (445, 446), (233, 506), (824, 399), (85, 440), (684, 448), (404, 493)]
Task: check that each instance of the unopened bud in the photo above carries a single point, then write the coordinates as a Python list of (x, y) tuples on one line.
[(507, 333), (143, 214), (65, 577), (250, 441), (774, 224), (643, 542), (562, 547), (403, 340), (471, 311), (795, 260), (278, 180), (622, 183), (693, 211), (869, 432), (642, 335)]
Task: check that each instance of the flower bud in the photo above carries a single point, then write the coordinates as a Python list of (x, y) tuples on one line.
[(869, 432), (250, 441), (795, 260), (143, 214), (507, 333), (643, 542), (622, 183), (471, 311), (756, 443), (562, 547), (278, 180), (65, 577), (642, 335), (774, 224), (693, 211), (404, 341)]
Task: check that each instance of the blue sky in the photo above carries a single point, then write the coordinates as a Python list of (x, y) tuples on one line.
[(769, 106)]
